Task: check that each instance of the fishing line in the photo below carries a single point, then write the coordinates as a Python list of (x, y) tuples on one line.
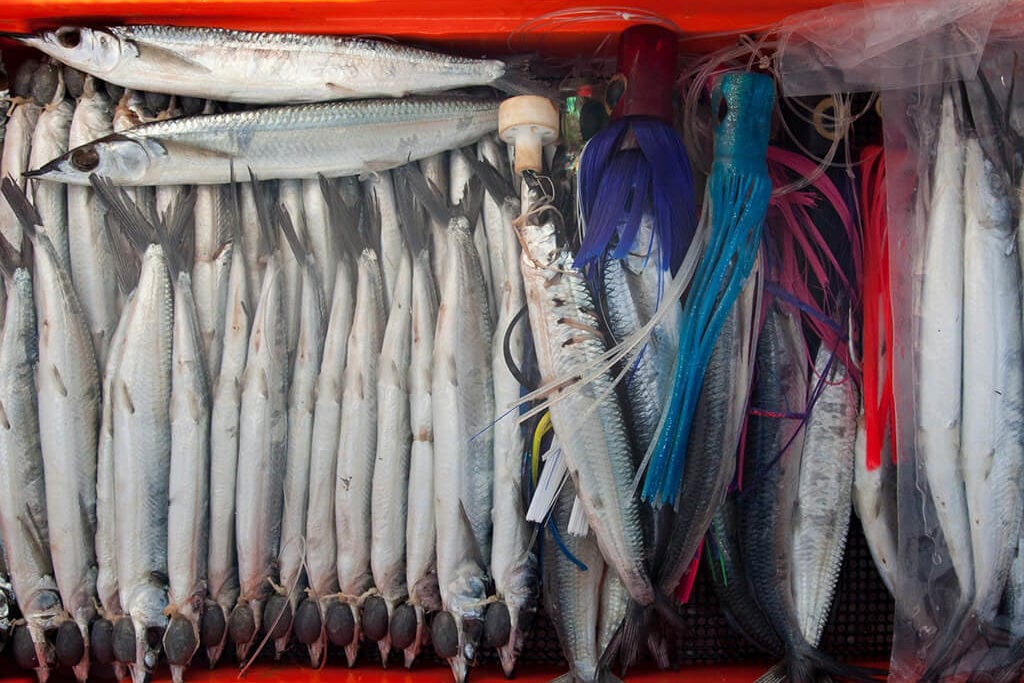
[(288, 595), (506, 349), (549, 23)]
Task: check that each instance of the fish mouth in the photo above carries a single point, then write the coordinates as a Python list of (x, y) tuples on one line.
[(23, 38), (49, 168)]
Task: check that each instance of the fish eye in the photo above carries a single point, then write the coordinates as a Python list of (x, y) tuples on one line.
[(85, 159), (69, 38)]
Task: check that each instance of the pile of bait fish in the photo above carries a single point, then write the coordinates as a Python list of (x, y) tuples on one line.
[(290, 374)]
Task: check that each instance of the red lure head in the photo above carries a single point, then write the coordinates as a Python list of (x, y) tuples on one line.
[(647, 66)]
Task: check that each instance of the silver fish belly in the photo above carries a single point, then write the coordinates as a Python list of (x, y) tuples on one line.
[(23, 521), (337, 139), (357, 441), (589, 423), (142, 455), (321, 537), (389, 505), (262, 453), (189, 482), (241, 66)]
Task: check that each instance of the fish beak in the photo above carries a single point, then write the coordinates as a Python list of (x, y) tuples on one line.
[(20, 37), (29, 39)]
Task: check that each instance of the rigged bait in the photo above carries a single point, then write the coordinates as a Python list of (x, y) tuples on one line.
[(334, 139), (736, 201), (241, 66), (638, 165)]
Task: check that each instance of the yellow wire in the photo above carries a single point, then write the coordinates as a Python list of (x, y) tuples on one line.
[(543, 427)]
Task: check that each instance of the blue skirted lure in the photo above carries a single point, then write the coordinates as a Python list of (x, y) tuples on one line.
[(638, 165), (736, 201)]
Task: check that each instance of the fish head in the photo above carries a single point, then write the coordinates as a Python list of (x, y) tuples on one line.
[(539, 243), (92, 50), (117, 157)]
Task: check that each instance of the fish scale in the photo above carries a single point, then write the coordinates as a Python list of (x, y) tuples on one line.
[(389, 504), (243, 66), (321, 536), (301, 407), (462, 402), (357, 440), (262, 451), (421, 534), (822, 518), (589, 423), (142, 455), (333, 139), (23, 495), (188, 483), (770, 479)]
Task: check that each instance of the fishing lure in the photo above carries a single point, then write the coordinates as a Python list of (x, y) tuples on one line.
[(638, 165), (736, 201)]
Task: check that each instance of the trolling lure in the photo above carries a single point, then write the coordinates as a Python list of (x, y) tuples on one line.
[(736, 201), (877, 340), (638, 165)]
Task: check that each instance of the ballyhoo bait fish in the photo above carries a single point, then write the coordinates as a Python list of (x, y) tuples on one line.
[(239, 66), (335, 139)]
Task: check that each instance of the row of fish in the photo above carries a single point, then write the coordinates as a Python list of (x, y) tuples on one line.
[(350, 358)]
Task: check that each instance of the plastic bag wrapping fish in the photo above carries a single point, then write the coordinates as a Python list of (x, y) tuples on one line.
[(953, 177), (879, 45)]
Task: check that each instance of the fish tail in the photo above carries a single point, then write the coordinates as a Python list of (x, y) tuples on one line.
[(519, 80), (631, 635), (776, 674), (410, 218), (344, 216), (263, 192), (810, 665)]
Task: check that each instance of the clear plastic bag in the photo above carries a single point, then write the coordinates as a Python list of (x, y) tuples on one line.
[(953, 173), (883, 45)]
